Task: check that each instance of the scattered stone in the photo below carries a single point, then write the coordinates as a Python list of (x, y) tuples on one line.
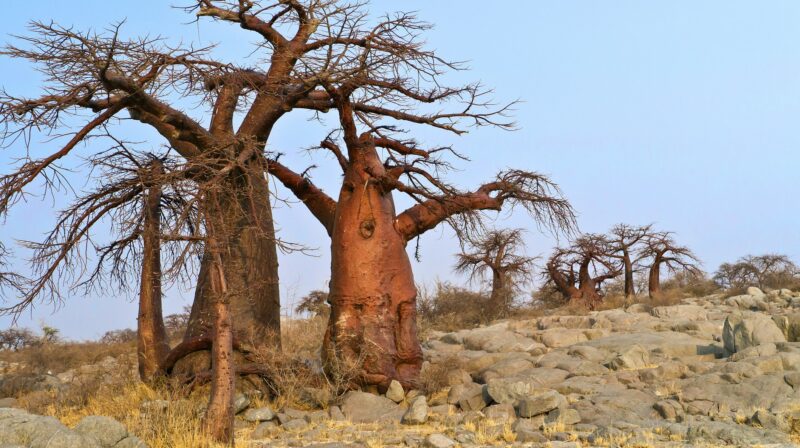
[(417, 412), (437, 440), (540, 404), (240, 403), (105, 430), (295, 425), (259, 414), (474, 398), (363, 407), (263, 430), (395, 392), (635, 357)]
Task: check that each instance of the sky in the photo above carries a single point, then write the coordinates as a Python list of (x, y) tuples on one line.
[(683, 114)]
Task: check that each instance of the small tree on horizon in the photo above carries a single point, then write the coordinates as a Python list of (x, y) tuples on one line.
[(496, 255)]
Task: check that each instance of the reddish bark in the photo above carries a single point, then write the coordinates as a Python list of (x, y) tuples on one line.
[(152, 345), (589, 256), (218, 419), (664, 251), (372, 290)]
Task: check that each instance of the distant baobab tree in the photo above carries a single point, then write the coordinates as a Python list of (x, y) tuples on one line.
[(764, 271), (496, 254), (663, 252), (579, 270), (624, 243)]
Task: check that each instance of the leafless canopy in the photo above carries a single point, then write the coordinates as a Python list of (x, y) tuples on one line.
[(497, 251), (768, 270), (384, 83), (662, 248)]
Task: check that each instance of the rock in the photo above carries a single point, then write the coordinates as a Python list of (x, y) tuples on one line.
[(511, 390), (259, 414), (528, 436), (363, 407), (503, 369), (755, 292), (105, 430), (669, 410), (395, 392), (240, 403), (561, 337), (417, 412), (635, 357), (500, 412), (295, 425), (540, 404), (742, 331), (316, 416), (336, 414), (792, 379), (789, 325), (687, 312), (437, 440), (474, 398), (767, 420), (263, 430), (562, 415), (131, 442)]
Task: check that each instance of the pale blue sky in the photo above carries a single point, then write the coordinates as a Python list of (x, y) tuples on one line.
[(680, 113)]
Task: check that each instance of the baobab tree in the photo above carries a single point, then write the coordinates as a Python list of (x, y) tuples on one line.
[(663, 251), (578, 271), (624, 241), (764, 271), (496, 254), (372, 290)]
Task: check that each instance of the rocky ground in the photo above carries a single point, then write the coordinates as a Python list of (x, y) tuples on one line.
[(711, 371)]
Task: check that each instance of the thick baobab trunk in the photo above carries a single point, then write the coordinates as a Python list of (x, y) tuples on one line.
[(654, 280), (152, 345), (218, 420), (630, 292), (372, 327), (500, 296), (251, 269)]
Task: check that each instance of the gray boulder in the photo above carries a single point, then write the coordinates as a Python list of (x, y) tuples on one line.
[(540, 404), (363, 407), (417, 413), (105, 430), (741, 331), (395, 392), (632, 358), (258, 414)]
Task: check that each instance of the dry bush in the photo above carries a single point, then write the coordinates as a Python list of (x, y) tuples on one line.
[(295, 374), (450, 308), (434, 376), (63, 356)]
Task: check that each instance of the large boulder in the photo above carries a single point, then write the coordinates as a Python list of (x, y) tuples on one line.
[(741, 331), (106, 430), (683, 312), (789, 325), (363, 407)]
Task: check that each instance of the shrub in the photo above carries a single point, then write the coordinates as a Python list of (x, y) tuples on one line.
[(451, 307)]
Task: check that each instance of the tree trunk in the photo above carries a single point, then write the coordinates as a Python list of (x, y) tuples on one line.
[(499, 298), (372, 330), (251, 269), (152, 345), (218, 420), (654, 279), (630, 291)]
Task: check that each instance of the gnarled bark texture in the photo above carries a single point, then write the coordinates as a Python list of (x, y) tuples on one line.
[(372, 292), (251, 271), (152, 346)]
